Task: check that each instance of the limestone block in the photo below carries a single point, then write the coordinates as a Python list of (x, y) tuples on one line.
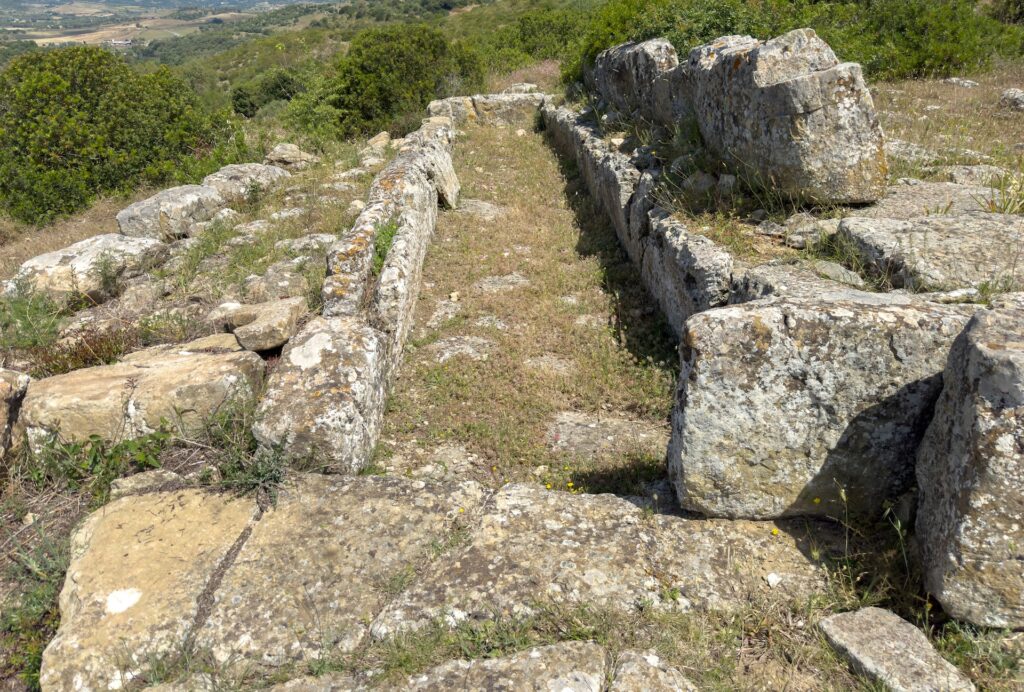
[(170, 214), (94, 266), (970, 471), (785, 406), (788, 114)]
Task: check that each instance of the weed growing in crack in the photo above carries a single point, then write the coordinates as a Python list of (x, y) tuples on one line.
[(382, 242), (92, 465), (233, 450), (29, 616), (87, 348), (29, 319)]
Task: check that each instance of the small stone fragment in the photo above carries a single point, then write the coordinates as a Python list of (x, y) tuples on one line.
[(891, 651), (260, 326)]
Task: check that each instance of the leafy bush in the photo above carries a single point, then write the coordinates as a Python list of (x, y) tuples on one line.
[(276, 85), (543, 34), (387, 72), (890, 38), (1011, 11), (78, 121)]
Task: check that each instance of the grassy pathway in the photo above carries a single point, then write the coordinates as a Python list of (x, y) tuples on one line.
[(536, 353)]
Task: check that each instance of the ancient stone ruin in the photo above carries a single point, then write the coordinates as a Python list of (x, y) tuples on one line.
[(802, 397)]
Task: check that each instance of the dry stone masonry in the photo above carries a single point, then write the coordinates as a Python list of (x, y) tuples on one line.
[(808, 391), (784, 113), (801, 393)]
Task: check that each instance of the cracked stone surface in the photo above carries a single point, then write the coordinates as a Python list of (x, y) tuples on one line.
[(940, 253), (534, 545), (566, 667), (320, 564), (132, 592)]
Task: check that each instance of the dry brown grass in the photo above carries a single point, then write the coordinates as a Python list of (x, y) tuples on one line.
[(620, 359), (954, 121), (546, 74), (20, 242)]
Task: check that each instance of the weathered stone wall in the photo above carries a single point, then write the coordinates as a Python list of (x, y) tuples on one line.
[(325, 401), (784, 114)]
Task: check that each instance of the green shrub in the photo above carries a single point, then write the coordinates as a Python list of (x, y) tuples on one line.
[(276, 85), (79, 121), (890, 38), (1010, 11), (387, 72)]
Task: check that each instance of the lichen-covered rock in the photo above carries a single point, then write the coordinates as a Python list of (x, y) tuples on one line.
[(284, 279), (260, 326), (180, 386), (290, 157), (625, 74), (534, 546), (784, 279), (405, 193), (939, 253), (785, 406), (891, 651), (788, 114), (93, 267), (133, 590), (1012, 99), (913, 198), (325, 398), (322, 562), (970, 471), (565, 667), (13, 386), (489, 109), (170, 214), (237, 181), (686, 272)]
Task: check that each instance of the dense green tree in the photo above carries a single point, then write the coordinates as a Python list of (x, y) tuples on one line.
[(389, 72), (78, 121)]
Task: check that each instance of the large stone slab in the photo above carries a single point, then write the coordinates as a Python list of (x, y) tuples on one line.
[(170, 214), (288, 156), (970, 471), (940, 253), (566, 667), (535, 546), (784, 406), (178, 386), (134, 587), (94, 266), (625, 75), (13, 386), (891, 651), (321, 563), (324, 400), (236, 182), (489, 109), (910, 199), (786, 113)]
